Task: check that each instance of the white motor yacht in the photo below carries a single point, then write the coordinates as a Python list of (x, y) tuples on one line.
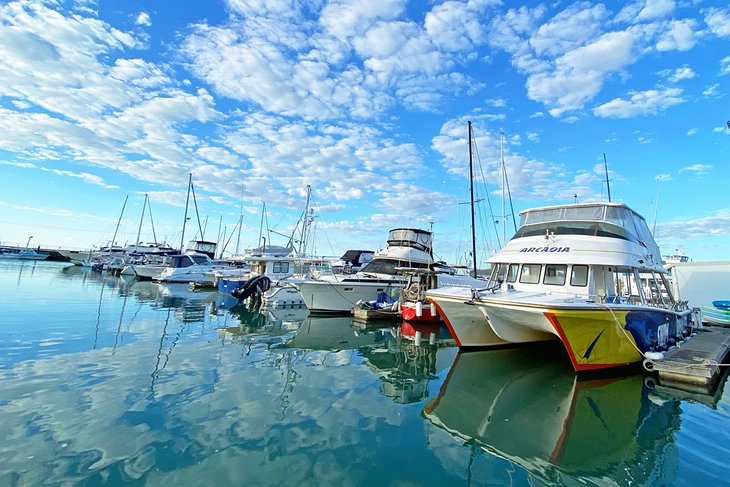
[(190, 267), (590, 275), (407, 248)]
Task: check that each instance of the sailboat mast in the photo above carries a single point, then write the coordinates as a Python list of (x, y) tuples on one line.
[(504, 185), (471, 194), (240, 222), (261, 226), (185, 220), (141, 219), (305, 223), (119, 221), (605, 168)]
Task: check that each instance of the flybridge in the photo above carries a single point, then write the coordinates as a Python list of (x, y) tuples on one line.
[(545, 249)]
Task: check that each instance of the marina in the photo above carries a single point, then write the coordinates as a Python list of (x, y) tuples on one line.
[(108, 380), (351, 243)]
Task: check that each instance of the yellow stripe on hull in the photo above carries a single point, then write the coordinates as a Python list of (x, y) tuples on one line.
[(594, 339)]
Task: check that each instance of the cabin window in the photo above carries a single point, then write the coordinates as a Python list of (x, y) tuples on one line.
[(579, 275), (281, 267), (530, 273), (200, 259), (555, 274), (514, 269)]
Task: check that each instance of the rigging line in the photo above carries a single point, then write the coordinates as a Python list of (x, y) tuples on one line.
[(489, 201), (152, 223), (323, 230), (185, 218), (141, 220), (114, 238), (509, 193), (197, 214)]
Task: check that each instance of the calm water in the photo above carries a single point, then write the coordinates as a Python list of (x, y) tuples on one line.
[(105, 381)]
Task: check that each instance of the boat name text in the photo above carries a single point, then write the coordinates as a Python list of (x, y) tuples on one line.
[(545, 249)]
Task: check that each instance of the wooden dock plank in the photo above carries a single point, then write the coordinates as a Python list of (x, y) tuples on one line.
[(695, 364)]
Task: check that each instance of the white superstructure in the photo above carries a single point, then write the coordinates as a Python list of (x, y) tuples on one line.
[(407, 248), (590, 275)]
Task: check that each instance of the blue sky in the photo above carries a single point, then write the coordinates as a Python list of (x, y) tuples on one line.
[(368, 103)]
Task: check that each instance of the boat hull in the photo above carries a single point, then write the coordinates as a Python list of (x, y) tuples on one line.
[(282, 295), (595, 336), (341, 297), (409, 312)]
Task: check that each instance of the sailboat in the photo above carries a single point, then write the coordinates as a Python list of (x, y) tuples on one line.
[(414, 306), (195, 264)]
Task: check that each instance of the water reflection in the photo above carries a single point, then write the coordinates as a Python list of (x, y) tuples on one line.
[(523, 406), (106, 381)]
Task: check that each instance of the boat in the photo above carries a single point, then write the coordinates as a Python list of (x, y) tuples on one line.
[(273, 261), (407, 248), (22, 254), (190, 267), (413, 305), (273, 269), (560, 428), (714, 315), (704, 284), (352, 261), (574, 273)]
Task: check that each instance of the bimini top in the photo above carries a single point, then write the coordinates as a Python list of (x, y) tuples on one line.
[(599, 219)]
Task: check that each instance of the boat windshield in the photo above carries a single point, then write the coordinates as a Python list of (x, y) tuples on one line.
[(599, 220), (389, 266)]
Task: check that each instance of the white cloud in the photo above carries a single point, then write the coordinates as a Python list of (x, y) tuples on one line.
[(725, 66), (692, 132), (646, 10), (678, 74), (679, 37), (27, 165), (640, 103), (711, 91), (663, 177), (716, 224), (23, 105), (698, 169), (718, 20), (143, 19), (578, 75), (346, 18), (575, 26), (89, 178)]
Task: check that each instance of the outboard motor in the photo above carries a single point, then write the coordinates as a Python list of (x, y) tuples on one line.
[(253, 287)]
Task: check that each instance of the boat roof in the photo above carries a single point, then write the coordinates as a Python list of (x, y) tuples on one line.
[(353, 255), (580, 205)]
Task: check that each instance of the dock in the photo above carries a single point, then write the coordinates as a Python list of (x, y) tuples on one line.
[(697, 364)]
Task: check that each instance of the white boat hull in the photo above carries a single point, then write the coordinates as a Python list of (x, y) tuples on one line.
[(340, 297), (282, 295)]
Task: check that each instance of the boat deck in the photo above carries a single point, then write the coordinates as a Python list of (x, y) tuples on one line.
[(696, 365)]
